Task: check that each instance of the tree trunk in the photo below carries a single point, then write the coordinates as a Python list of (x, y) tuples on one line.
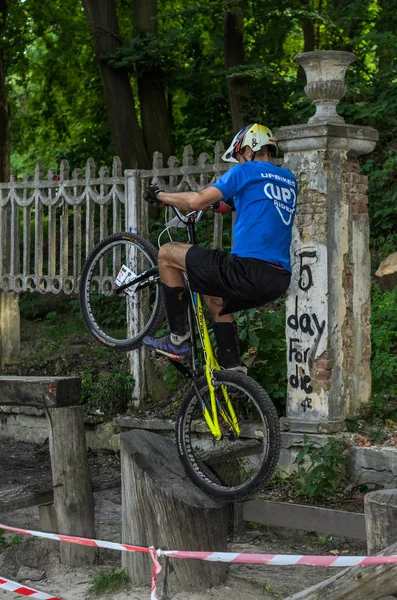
[(309, 38), (155, 116), (233, 29), (380, 519), (386, 22), (173, 513), (4, 107), (126, 135)]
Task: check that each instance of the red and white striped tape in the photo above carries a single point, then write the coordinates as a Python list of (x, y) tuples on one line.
[(23, 590), (94, 544), (231, 557), (77, 540), (283, 559)]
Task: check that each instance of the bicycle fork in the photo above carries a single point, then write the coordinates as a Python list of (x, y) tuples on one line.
[(211, 365)]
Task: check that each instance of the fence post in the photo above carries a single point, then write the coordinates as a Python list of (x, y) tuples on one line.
[(136, 222), (328, 305), (9, 328), (9, 301)]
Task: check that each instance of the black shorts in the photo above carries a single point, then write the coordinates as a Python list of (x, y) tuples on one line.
[(241, 282)]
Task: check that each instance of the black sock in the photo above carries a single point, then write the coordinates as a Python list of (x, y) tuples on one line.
[(228, 344), (176, 306)]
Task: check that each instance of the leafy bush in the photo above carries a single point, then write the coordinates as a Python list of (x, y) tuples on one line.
[(107, 392), (384, 353), (321, 468), (262, 336)]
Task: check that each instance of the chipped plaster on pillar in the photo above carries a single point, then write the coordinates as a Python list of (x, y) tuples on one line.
[(361, 376)]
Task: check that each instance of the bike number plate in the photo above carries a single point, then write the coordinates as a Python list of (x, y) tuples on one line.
[(125, 275)]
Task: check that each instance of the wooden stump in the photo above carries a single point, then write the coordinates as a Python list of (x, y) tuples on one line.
[(73, 497), (366, 583), (161, 507), (380, 519), (386, 274)]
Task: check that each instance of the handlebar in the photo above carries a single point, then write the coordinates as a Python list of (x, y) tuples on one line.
[(194, 216), (191, 217)]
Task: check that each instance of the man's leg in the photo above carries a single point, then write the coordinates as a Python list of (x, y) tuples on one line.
[(225, 330), (172, 262)]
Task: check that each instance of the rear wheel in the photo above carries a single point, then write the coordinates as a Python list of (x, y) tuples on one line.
[(237, 465), (117, 319)]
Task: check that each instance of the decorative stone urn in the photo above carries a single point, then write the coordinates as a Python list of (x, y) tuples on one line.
[(325, 73)]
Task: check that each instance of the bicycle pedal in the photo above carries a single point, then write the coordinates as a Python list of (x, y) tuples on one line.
[(181, 359)]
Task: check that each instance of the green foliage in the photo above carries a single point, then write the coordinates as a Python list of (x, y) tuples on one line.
[(321, 469), (10, 540), (107, 392), (171, 377), (57, 343), (384, 351), (263, 345), (54, 91), (110, 581)]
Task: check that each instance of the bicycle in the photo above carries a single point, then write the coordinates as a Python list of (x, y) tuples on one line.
[(227, 429)]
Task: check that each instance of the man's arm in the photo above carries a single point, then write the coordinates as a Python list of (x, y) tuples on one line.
[(191, 200)]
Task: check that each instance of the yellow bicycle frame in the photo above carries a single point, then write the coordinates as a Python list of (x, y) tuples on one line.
[(211, 365)]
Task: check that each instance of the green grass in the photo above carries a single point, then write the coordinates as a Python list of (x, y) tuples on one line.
[(109, 581), (56, 342)]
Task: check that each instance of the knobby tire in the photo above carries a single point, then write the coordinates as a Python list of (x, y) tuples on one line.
[(219, 479), (106, 250)]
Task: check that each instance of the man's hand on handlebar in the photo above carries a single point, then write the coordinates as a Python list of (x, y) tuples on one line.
[(150, 195)]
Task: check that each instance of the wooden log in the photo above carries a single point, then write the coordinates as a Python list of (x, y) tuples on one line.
[(380, 509), (386, 274), (73, 497), (161, 507), (40, 391), (22, 496), (41, 492), (356, 583)]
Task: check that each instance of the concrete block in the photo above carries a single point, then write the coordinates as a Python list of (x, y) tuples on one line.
[(374, 465)]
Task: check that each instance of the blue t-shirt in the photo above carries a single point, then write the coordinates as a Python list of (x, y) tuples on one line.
[(265, 200)]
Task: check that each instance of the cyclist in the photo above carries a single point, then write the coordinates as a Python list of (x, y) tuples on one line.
[(257, 270)]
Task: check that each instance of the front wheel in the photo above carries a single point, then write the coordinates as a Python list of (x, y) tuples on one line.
[(121, 318), (235, 466)]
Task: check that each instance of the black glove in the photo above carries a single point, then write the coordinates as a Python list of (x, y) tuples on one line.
[(150, 194)]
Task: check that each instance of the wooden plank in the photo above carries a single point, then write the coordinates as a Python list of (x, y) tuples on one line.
[(40, 391), (307, 518), (23, 496), (356, 583)]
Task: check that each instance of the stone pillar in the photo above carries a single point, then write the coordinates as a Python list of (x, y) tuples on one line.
[(328, 304)]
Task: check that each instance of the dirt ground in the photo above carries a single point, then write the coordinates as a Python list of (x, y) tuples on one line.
[(20, 462)]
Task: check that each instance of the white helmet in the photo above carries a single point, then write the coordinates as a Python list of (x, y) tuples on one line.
[(255, 136)]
